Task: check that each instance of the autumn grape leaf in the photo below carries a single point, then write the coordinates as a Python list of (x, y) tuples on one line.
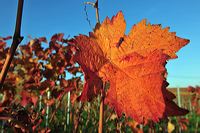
[(89, 64), (134, 65)]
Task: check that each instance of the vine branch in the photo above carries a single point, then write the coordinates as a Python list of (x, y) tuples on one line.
[(96, 6), (17, 38)]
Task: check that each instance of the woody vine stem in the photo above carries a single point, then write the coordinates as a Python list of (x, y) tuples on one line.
[(17, 38)]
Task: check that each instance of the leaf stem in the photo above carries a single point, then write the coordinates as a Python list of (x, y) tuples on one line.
[(101, 110), (17, 38)]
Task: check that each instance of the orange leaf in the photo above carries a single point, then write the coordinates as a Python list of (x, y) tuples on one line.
[(134, 65), (138, 88)]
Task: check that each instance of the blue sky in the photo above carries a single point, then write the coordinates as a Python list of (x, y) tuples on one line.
[(46, 17)]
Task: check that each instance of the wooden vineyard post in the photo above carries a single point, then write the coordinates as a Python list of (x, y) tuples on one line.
[(179, 102), (178, 97), (48, 108)]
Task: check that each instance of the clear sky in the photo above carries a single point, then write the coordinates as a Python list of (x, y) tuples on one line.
[(46, 17)]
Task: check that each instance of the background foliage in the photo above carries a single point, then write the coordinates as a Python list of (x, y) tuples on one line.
[(35, 96)]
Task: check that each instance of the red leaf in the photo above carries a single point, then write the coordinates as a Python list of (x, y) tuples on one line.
[(42, 39), (2, 44), (6, 38), (57, 37), (28, 97), (50, 102)]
